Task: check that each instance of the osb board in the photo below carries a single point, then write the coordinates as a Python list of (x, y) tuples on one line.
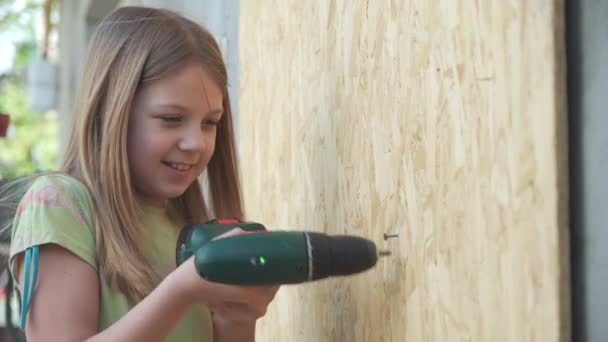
[(442, 121)]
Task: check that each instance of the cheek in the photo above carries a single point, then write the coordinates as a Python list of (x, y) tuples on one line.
[(139, 158), (210, 145), (152, 144)]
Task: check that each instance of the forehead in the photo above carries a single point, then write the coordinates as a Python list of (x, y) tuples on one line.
[(190, 86)]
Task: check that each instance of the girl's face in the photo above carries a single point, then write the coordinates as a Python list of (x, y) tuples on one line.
[(172, 132)]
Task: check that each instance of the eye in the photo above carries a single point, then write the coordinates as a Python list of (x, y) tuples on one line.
[(211, 123), (172, 118)]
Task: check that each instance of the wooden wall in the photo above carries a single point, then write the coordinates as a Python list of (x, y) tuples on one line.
[(442, 121)]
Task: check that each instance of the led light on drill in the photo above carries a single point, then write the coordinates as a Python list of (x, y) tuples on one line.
[(255, 261)]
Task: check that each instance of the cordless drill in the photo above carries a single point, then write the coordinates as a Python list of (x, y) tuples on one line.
[(271, 258)]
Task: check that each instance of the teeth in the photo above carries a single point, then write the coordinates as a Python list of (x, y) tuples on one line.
[(181, 167)]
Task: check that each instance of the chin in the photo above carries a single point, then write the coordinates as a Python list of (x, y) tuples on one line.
[(174, 193)]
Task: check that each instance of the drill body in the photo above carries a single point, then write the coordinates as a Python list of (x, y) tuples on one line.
[(271, 258)]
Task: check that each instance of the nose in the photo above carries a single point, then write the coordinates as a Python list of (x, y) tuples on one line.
[(192, 140)]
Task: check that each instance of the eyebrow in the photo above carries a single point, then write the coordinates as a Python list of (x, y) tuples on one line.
[(216, 111)]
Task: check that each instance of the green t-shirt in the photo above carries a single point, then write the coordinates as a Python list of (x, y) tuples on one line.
[(58, 209)]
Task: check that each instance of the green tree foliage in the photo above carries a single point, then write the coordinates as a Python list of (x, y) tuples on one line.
[(32, 143)]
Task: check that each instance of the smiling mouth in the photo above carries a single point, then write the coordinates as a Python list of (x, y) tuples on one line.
[(179, 166)]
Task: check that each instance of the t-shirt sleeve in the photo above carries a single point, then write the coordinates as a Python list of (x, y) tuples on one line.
[(58, 210)]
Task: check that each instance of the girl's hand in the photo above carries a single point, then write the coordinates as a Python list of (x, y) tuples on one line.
[(228, 303), (242, 313), (233, 312)]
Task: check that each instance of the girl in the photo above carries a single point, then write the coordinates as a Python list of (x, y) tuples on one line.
[(153, 114)]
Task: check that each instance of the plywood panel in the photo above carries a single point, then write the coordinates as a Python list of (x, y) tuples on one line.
[(442, 121)]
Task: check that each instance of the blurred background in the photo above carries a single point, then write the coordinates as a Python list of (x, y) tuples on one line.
[(476, 130), (30, 143), (28, 36)]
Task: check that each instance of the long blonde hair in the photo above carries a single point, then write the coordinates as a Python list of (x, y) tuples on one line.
[(132, 46)]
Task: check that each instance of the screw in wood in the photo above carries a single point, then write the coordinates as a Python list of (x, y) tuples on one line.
[(384, 253), (390, 236)]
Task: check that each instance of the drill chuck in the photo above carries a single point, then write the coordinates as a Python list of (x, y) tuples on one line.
[(339, 255)]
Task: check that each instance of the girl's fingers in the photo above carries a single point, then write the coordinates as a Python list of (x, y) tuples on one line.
[(232, 232), (268, 292)]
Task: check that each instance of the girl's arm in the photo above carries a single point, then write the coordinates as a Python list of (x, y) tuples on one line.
[(65, 304)]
